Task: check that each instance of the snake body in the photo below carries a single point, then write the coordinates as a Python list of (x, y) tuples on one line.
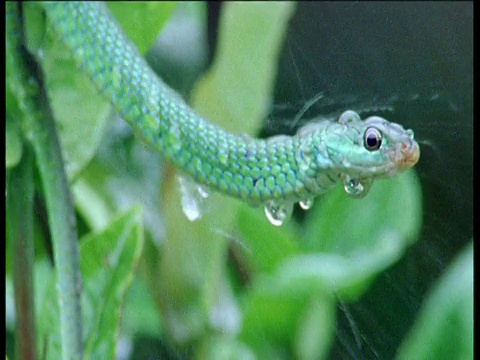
[(282, 169)]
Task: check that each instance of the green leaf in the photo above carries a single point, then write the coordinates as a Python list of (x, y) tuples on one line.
[(142, 21), (140, 316), (13, 143), (35, 28), (304, 319), (444, 327), (265, 246), (80, 111), (108, 261), (269, 317), (390, 215), (352, 240), (237, 90), (316, 329)]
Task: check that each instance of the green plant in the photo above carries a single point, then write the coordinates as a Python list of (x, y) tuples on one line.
[(277, 298)]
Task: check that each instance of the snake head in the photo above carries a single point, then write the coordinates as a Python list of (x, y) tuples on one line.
[(393, 142), (373, 148)]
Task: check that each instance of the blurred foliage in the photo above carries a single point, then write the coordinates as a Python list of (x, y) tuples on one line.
[(108, 260), (444, 327), (230, 285)]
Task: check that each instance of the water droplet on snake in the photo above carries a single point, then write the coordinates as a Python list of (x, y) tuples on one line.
[(353, 187), (192, 196), (306, 204), (278, 213)]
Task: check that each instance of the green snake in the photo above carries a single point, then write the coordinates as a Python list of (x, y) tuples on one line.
[(275, 172)]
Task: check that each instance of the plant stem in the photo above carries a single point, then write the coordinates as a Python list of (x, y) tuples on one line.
[(20, 227), (39, 128)]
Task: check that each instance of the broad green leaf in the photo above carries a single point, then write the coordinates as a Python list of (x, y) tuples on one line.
[(142, 21), (389, 215), (346, 276), (108, 261), (108, 264), (270, 317), (237, 90), (333, 269), (444, 327), (140, 315), (316, 329), (80, 111), (305, 319), (35, 26), (352, 240), (262, 245)]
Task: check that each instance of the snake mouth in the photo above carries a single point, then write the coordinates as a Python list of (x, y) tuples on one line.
[(406, 155)]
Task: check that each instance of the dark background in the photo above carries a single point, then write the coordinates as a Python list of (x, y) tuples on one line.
[(411, 62)]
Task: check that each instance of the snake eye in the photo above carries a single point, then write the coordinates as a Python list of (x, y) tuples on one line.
[(372, 139)]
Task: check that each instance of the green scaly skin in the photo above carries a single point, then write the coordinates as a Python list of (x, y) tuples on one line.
[(282, 169)]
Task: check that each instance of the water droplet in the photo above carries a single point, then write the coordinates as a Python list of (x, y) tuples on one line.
[(356, 187), (278, 213), (203, 192), (306, 204), (192, 196)]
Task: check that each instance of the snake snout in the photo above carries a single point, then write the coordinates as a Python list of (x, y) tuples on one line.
[(410, 154)]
